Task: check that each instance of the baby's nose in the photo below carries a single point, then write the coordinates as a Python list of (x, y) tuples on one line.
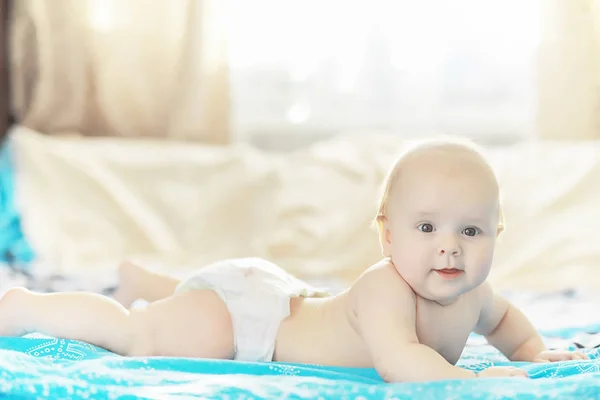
[(452, 250)]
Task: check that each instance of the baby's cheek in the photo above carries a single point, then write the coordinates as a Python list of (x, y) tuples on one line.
[(410, 261), (483, 262), (400, 248)]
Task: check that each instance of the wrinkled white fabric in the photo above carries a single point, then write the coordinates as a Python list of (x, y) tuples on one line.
[(87, 203)]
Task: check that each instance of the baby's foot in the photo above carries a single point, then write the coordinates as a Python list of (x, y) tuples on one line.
[(129, 278), (13, 312)]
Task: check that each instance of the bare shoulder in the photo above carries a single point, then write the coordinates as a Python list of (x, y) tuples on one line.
[(383, 285), (382, 309)]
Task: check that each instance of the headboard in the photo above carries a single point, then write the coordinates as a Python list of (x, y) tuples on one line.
[(5, 116)]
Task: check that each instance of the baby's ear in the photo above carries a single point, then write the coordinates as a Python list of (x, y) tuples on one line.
[(500, 228), (385, 236)]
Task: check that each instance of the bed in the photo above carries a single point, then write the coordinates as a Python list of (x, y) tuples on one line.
[(37, 366), (565, 311)]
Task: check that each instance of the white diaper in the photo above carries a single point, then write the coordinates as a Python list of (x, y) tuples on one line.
[(257, 294)]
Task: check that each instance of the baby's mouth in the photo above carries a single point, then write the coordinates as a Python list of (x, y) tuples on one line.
[(449, 273)]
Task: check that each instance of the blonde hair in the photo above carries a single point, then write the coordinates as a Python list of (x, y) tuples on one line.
[(392, 174)]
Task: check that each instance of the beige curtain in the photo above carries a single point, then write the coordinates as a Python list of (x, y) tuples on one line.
[(569, 70), (151, 68)]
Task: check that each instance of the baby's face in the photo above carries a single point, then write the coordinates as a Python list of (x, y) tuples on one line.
[(441, 229)]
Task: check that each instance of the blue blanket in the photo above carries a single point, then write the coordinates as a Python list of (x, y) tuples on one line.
[(38, 366), (14, 248)]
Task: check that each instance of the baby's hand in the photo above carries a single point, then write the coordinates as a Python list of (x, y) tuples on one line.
[(559, 355), (502, 372)]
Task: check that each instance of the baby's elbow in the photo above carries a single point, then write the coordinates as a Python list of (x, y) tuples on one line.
[(388, 372), (391, 365), (398, 370), (386, 375), (390, 375)]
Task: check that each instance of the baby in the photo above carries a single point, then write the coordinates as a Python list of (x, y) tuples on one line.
[(408, 316)]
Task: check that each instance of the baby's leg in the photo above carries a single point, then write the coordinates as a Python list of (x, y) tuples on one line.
[(136, 282), (190, 324)]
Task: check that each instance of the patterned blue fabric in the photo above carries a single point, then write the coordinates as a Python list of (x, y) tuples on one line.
[(38, 366), (14, 248)]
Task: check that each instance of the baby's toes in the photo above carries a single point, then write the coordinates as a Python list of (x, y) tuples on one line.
[(519, 373)]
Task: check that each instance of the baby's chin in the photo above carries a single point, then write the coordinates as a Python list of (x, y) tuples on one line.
[(444, 291), (444, 295), (445, 299)]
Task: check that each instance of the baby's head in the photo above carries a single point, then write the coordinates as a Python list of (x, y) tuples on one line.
[(439, 217)]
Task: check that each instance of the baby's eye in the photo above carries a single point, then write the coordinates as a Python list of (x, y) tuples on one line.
[(470, 231), (426, 228)]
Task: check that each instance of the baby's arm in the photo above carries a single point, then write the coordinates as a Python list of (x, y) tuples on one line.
[(509, 330), (385, 309), (506, 327)]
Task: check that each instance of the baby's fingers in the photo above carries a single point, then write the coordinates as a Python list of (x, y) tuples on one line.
[(576, 355), (562, 357)]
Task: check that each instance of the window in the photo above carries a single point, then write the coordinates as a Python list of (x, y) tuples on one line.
[(308, 68)]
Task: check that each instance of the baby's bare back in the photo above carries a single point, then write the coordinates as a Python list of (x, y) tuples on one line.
[(318, 331), (327, 331)]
